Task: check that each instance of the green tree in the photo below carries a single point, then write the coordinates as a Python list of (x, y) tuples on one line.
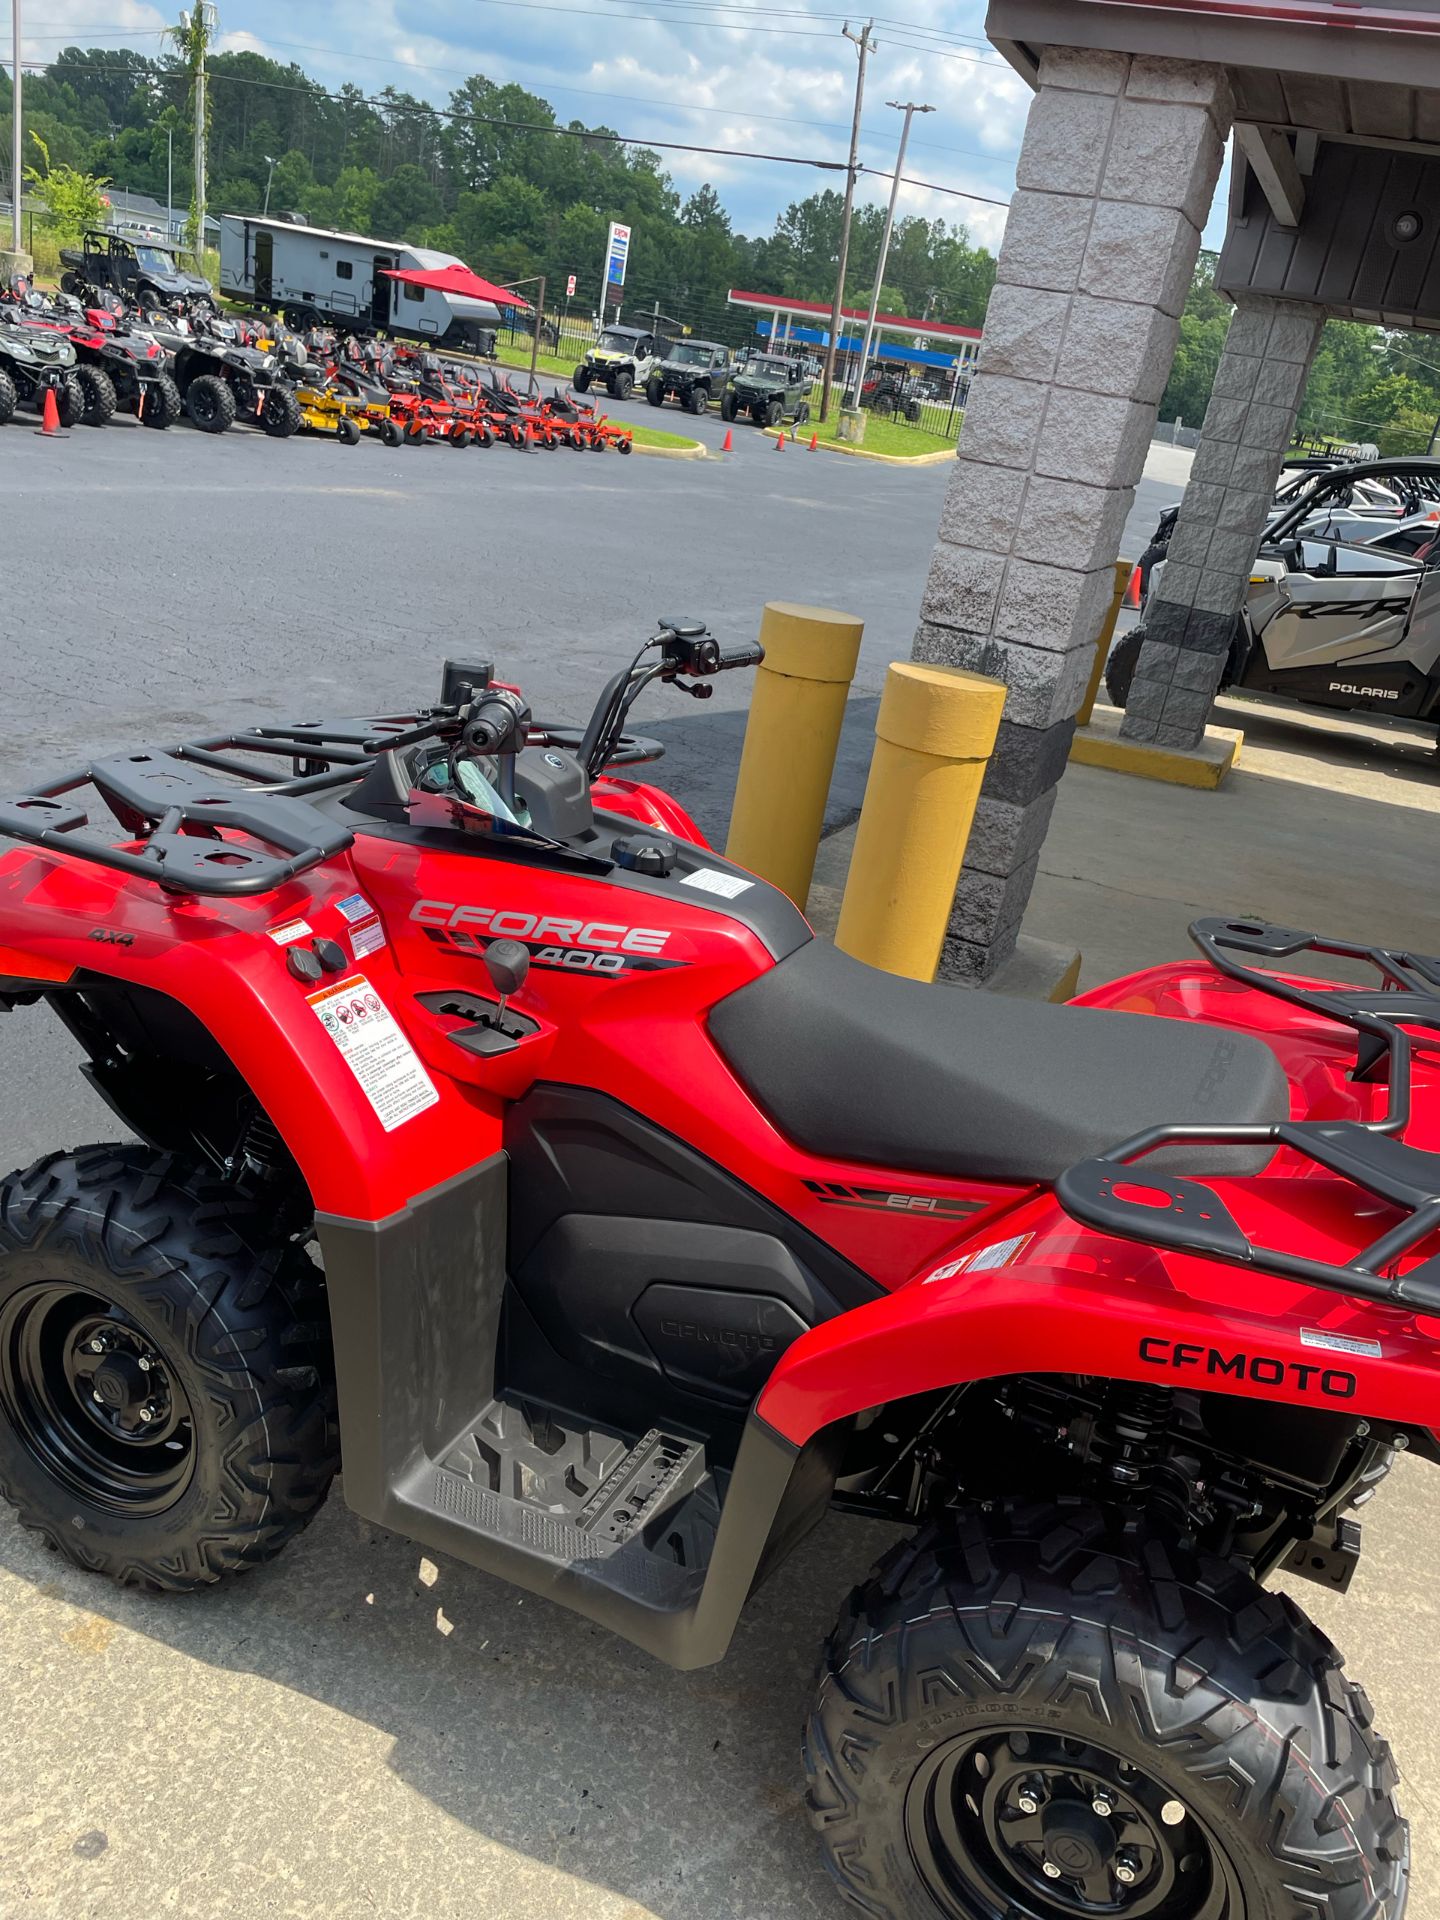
[(73, 200)]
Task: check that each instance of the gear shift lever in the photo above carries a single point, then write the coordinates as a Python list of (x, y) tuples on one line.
[(507, 962)]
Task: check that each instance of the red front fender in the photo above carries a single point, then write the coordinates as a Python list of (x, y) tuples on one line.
[(1080, 1303), (222, 962)]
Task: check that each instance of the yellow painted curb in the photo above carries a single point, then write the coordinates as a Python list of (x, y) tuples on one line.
[(694, 451), (936, 459), (1205, 766)]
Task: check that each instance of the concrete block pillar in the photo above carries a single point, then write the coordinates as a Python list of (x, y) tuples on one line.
[(1114, 181), (1190, 618)]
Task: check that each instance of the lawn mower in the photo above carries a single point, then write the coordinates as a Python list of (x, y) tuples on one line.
[(486, 1131), (307, 362), (583, 427)]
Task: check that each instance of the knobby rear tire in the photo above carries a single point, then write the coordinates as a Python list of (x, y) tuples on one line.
[(1081, 1624)]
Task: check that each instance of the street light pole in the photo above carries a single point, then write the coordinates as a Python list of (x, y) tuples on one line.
[(909, 109), (15, 166), (865, 46), (170, 181), (268, 178)]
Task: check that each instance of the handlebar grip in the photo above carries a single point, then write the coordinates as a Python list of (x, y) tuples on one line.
[(751, 656)]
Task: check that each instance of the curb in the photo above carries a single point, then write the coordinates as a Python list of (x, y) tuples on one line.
[(936, 459), (694, 451)]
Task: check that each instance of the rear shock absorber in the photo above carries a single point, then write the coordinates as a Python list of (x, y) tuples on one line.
[(1129, 1435)]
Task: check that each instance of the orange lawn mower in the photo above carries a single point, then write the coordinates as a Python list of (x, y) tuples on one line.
[(582, 427)]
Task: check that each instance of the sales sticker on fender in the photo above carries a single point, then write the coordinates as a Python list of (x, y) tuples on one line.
[(375, 1050)]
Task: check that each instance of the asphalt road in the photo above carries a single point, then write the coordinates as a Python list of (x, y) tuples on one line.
[(356, 1730)]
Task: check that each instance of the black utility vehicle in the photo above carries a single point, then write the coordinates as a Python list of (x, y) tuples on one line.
[(694, 372), (770, 389), (148, 271)]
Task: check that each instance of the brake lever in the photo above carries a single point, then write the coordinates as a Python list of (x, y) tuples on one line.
[(695, 693)]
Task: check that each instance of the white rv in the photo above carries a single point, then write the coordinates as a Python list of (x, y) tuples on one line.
[(315, 277)]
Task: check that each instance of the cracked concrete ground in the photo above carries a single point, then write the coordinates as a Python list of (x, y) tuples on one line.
[(362, 1729)]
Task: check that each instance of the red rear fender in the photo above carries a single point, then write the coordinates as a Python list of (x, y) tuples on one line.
[(1074, 1302)]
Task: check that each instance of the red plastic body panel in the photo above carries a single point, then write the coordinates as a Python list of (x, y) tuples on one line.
[(620, 986)]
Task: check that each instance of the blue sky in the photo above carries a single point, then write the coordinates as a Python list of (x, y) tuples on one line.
[(769, 75), (775, 77)]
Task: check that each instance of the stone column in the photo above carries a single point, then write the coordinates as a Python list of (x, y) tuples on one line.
[(1190, 618), (1114, 183)]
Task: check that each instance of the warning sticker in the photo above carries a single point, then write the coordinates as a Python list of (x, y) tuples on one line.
[(376, 1050), (711, 880), (291, 931), (367, 937), (354, 907)]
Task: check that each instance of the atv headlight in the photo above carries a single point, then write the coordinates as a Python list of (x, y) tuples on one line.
[(268, 360)]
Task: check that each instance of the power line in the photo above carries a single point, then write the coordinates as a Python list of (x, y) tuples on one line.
[(380, 105)]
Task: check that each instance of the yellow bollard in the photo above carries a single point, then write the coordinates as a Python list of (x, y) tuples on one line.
[(933, 736), (790, 740), (1102, 645)]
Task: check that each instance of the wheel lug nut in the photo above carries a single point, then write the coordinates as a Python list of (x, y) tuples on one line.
[(144, 1363), (147, 1414), (1027, 1803), (1050, 1870), (1101, 1806), (96, 1398), (1127, 1869), (97, 1345)]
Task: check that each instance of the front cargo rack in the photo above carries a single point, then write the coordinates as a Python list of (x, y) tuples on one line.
[(1189, 1217), (177, 802), (181, 806)]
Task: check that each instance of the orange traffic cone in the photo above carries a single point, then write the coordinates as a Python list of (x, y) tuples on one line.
[(50, 418), (780, 443), (727, 445), (814, 441), (1132, 588)]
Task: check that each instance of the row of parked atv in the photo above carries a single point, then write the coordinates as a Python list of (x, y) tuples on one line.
[(100, 354)]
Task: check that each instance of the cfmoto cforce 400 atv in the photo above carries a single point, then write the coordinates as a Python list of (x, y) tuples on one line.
[(490, 1133), (1343, 606)]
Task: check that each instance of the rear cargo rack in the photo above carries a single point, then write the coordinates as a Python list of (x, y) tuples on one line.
[(1189, 1217), (183, 804)]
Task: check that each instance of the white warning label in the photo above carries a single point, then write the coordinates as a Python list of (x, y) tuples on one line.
[(376, 1050)]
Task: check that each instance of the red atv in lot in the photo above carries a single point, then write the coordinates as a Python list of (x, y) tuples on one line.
[(492, 1134)]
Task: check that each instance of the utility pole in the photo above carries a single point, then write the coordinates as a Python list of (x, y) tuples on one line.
[(170, 181), (264, 211), (193, 36), (864, 46), (909, 109), (16, 169)]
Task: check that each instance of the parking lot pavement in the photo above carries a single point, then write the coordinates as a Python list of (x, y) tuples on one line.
[(359, 1729)]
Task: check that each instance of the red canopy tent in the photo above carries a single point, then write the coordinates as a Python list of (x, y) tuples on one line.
[(458, 280)]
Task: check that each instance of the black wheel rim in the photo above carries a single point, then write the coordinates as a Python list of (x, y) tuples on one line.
[(1015, 1824), (93, 1399)]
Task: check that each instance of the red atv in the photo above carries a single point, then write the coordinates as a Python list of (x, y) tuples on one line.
[(502, 1139), (117, 370)]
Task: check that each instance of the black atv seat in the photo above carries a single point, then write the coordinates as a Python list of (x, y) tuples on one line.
[(859, 1065)]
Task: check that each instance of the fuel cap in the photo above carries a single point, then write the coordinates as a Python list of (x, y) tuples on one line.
[(330, 954), (643, 853), (303, 964)]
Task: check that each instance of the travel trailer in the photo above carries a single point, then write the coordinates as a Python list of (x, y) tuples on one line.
[(319, 278)]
